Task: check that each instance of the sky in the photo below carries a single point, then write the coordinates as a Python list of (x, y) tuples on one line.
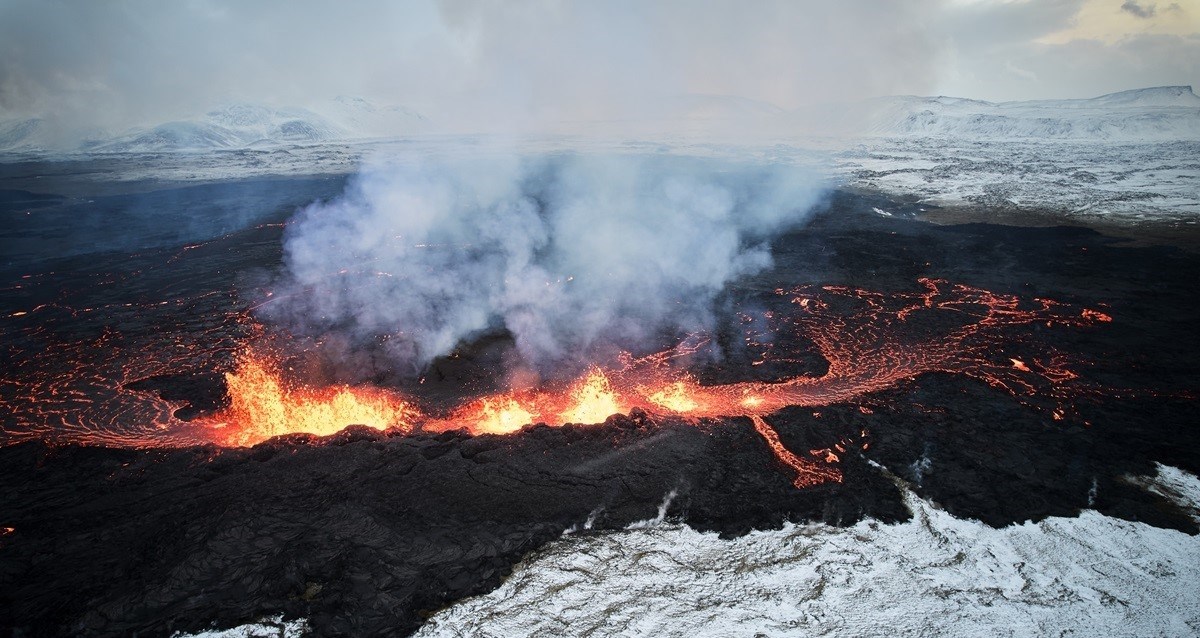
[(120, 63)]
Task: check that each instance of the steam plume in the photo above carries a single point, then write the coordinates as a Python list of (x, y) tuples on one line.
[(569, 254)]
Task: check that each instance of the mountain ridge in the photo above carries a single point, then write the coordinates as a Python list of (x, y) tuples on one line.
[(1162, 113)]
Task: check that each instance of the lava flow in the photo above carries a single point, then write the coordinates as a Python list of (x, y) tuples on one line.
[(871, 341)]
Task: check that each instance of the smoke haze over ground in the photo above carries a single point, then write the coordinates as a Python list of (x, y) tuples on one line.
[(568, 253)]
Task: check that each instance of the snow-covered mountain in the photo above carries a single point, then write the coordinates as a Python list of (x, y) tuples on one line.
[(250, 125), (360, 118), (1160, 113), (231, 126), (1169, 113), (32, 134), (22, 133)]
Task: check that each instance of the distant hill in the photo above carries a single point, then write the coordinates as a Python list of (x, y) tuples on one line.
[(1151, 114), (19, 133), (1160, 113), (360, 118), (231, 126)]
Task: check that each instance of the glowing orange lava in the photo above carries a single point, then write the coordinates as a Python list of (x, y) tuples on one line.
[(871, 341), (593, 400), (262, 405), (495, 415), (808, 472), (675, 397)]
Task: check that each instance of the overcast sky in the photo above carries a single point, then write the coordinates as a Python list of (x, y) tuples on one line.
[(118, 63)]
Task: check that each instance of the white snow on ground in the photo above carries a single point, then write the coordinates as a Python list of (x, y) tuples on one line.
[(275, 627), (1164, 113), (933, 576), (1175, 485), (1079, 181), (1076, 180), (1127, 157)]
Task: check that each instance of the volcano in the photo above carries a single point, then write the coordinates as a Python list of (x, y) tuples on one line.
[(172, 463)]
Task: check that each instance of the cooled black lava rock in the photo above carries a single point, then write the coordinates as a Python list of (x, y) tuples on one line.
[(363, 533)]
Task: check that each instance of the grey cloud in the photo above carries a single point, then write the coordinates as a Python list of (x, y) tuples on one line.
[(1139, 10), (986, 40)]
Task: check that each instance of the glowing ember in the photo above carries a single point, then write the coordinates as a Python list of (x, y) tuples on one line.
[(262, 406)]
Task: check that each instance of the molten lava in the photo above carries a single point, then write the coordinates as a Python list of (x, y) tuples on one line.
[(676, 397), (592, 400), (496, 415), (262, 405), (871, 341), (809, 473)]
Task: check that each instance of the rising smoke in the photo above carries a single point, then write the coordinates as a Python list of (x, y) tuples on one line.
[(572, 255)]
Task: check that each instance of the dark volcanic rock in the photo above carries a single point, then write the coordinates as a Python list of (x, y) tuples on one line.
[(363, 533)]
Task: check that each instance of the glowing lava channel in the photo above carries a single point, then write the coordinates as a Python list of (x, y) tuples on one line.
[(871, 341)]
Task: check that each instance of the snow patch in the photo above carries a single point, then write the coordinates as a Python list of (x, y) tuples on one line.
[(1075, 179), (932, 576), (1176, 486), (1159, 113), (275, 627)]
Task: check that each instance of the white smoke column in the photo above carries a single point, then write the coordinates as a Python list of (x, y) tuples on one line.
[(571, 254)]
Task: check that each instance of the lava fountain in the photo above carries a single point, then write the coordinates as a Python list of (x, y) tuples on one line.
[(261, 406)]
